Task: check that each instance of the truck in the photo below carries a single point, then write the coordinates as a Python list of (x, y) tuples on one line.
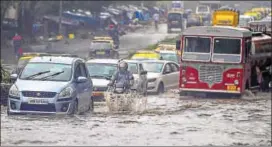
[(222, 58)]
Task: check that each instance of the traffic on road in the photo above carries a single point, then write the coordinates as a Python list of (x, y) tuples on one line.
[(141, 82)]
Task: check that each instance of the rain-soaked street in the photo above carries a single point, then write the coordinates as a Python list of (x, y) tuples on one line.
[(167, 120)]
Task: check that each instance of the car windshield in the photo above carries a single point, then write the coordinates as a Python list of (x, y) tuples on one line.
[(227, 46), (37, 71), (202, 9), (102, 69), (153, 67), (133, 68), (174, 16), (101, 45), (197, 44), (169, 57)]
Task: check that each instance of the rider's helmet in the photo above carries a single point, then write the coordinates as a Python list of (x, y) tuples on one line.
[(123, 66)]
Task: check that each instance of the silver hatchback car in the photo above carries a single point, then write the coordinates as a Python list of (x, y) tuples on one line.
[(54, 85)]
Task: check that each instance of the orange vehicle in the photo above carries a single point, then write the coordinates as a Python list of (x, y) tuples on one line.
[(220, 59)]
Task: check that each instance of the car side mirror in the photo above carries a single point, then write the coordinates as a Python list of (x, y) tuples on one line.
[(143, 72), (178, 42), (13, 76), (81, 79)]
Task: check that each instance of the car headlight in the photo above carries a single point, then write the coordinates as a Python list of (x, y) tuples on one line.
[(14, 92), (152, 80), (66, 93)]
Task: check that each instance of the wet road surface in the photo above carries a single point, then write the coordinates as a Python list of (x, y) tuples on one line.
[(167, 120)]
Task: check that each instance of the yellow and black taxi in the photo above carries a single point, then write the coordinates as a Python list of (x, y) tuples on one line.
[(103, 47)]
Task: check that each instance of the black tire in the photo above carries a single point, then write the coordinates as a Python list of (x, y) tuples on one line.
[(91, 107), (75, 108), (160, 89)]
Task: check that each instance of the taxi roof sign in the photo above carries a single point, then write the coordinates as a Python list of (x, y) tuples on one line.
[(226, 17), (102, 38)]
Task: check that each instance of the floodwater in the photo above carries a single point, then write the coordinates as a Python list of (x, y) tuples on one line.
[(167, 120)]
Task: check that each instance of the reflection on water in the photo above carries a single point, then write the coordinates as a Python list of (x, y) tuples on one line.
[(167, 120)]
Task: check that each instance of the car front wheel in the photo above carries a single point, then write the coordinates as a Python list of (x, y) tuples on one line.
[(91, 106), (160, 89)]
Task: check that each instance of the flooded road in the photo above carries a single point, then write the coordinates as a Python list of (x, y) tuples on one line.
[(167, 120)]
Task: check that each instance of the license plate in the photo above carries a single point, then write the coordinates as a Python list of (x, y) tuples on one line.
[(37, 101), (231, 88), (98, 94), (100, 53), (174, 22)]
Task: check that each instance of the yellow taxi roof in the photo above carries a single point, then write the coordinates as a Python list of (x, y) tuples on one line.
[(102, 38), (146, 54), (26, 57)]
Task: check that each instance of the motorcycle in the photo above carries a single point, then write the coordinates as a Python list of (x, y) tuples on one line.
[(122, 98)]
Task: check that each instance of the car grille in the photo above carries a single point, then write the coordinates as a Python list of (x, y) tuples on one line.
[(100, 88), (33, 107), (38, 94), (210, 74)]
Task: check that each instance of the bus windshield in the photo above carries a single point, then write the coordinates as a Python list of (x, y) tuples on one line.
[(197, 48), (227, 50)]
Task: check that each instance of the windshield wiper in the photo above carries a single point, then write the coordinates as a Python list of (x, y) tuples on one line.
[(37, 74), (106, 77), (52, 75)]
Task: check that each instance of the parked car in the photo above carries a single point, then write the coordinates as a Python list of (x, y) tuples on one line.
[(54, 85), (101, 71), (161, 74)]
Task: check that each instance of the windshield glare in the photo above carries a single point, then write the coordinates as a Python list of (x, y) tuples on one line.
[(101, 45), (169, 57), (102, 69), (197, 45), (34, 68), (227, 46), (153, 67)]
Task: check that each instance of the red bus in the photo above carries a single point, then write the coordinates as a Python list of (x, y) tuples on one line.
[(221, 59)]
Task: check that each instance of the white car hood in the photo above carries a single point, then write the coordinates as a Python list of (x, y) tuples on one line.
[(151, 75), (100, 82), (32, 85)]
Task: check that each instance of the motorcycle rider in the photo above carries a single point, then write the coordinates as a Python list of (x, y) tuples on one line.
[(122, 78)]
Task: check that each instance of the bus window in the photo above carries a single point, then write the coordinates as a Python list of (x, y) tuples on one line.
[(227, 46), (197, 44)]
